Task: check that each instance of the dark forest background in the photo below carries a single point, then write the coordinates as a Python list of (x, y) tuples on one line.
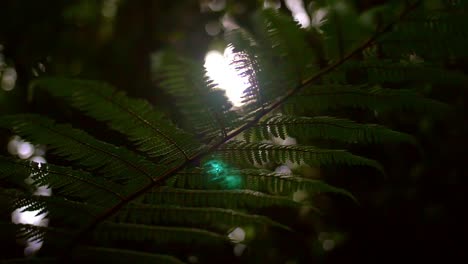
[(414, 213)]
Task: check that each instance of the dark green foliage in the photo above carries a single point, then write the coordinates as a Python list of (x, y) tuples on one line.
[(133, 203)]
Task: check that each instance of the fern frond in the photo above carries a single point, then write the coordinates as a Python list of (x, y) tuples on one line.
[(204, 106), (156, 235), (256, 180), (247, 62), (324, 127), (342, 30), (135, 118), (320, 98), (387, 71), (431, 33), (118, 255), (56, 207), (244, 153), (149, 214), (232, 199), (288, 41), (64, 181), (33, 232), (273, 60), (117, 163)]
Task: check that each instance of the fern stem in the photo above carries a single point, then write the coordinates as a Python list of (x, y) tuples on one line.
[(264, 111), (91, 146), (136, 116)]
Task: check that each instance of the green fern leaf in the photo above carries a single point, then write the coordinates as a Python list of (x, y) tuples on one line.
[(256, 180), (244, 153), (118, 255), (324, 127), (64, 181), (320, 98), (191, 216), (204, 106), (232, 199), (156, 235), (76, 145), (135, 118)]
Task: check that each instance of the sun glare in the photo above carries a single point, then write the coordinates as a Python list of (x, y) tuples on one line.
[(220, 70)]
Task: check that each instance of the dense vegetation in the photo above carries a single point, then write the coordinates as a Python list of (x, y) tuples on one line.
[(190, 178)]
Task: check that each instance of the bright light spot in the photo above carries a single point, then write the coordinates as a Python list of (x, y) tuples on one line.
[(27, 217), (219, 172), (192, 259), (220, 70), (328, 244), (318, 18), (299, 196), (283, 169), (275, 4), (239, 249), (30, 217), (33, 247), (414, 58), (288, 141), (38, 159), (8, 79), (25, 150), (237, 235), (43, 191), (232, 181), (17, 146), (109, 8), (212, 28), (217, 5), (228, 23), (298, 12)]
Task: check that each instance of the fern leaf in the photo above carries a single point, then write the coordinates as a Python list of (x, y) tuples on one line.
[(247, 62), (203, 105), (135, 118), (320, 98), (434, 34), (191, 216), (156, 235), (342, 29), (56, 207), (288, 41), (232, 199), (324, 127), (387, 71), (118, 255), (63, 180), (244, 153), (256, 180), (76, 145), (33, 232)]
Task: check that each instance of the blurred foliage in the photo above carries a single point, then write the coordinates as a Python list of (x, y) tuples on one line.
[(415, 213)]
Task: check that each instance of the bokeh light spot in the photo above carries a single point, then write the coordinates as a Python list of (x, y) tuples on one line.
[(237, 235), (8, 80), (328, 244), (220, 69), (25, 150), (220, 173), (239, 249)]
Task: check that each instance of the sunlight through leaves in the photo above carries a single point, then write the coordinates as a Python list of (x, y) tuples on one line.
[(222, 174)]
